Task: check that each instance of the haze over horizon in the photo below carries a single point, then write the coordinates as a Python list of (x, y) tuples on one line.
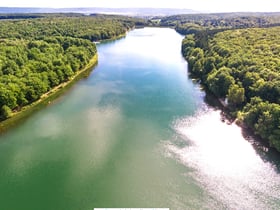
[(198, 5)]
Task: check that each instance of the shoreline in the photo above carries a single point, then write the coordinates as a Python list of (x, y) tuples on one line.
[(117, 37), (47, 97), (113, 38), (260, 144), (54, 93)]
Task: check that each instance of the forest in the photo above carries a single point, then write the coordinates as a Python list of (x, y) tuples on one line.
[(236, 56), (241, 67), (190, 23), (37, 53)]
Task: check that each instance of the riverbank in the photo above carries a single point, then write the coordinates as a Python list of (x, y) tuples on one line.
[(213, 59), (228, 117), (113, 38), (120, 36), (48, 97)]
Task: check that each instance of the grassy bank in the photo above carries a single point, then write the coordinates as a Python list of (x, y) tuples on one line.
[(47, 98)]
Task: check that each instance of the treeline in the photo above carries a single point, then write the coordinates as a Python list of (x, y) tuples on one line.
[(191, 23), (243, 68), (93, 28), (37, 55), (37, 15)]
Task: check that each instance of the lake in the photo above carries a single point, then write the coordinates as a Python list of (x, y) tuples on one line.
[(136, 133)]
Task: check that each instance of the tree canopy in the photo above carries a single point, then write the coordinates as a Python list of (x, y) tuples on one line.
[(242, 66), (39, 53)]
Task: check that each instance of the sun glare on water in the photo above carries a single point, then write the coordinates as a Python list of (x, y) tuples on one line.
[(224, 162)]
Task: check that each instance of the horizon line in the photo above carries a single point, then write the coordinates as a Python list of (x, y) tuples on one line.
[(98, 7)]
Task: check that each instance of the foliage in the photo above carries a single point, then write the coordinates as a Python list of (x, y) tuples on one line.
[(5, 112), (242, 65), (37, 54), (194, 23), (93, 28), (264, 118)]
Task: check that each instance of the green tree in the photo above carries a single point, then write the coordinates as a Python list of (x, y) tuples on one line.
[(5, 112), (7, 97), (236, 95), (219, 81)]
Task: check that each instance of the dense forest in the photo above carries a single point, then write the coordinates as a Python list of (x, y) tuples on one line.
[(241, 66), (192, 23), (40, 52), (236, 57), (93, 27)]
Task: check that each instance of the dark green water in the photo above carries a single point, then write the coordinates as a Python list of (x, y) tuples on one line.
[(136, 133)]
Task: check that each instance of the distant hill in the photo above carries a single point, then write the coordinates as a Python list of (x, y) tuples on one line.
[(124, 11)]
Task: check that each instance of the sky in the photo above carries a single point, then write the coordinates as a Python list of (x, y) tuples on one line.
[(199, 5)]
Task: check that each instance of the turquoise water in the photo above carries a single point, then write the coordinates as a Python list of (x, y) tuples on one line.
[(135, 133)]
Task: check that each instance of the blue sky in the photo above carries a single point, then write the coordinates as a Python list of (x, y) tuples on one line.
[(200, 5)]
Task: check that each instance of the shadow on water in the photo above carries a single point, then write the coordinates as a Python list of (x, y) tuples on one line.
[(262, 148)]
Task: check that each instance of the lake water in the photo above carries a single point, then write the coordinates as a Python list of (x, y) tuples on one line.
[(135, 133)]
